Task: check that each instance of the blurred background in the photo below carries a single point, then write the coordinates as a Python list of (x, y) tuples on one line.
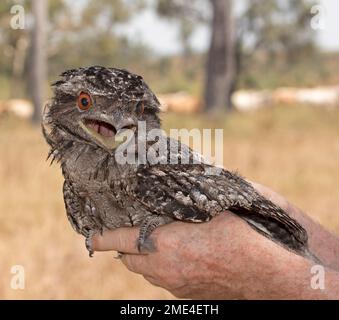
[(266, 71)]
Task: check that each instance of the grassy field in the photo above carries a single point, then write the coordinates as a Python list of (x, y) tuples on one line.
[(294, 150)]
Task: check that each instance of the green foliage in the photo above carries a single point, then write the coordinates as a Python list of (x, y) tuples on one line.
[(271, 35), (80, 33), (277, 27), (189, 14), (281, 51), (104, 49)]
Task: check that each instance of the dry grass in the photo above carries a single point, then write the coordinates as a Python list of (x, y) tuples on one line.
[(293, 150)]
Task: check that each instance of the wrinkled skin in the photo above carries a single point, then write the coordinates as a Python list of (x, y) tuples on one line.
[(232, 262)]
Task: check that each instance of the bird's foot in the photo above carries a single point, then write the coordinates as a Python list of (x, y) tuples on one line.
[(89, 240), (147, 227), (89, 245), (90, 212)]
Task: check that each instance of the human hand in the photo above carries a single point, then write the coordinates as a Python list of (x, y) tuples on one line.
[(220, 259)]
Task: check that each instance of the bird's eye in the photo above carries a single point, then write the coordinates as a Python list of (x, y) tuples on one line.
[(140, 107), (84, 101)]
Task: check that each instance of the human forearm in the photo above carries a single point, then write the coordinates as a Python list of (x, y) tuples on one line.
[(322, 243), (227, 259), (251, 268), (271, 272), (261, 270), (221, 259)]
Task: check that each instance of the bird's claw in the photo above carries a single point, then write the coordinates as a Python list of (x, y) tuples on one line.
[(89, 245), (150, 223), (90, 212), (145, 242)]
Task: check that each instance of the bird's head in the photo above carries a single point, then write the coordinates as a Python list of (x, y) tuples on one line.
[(96, 104)]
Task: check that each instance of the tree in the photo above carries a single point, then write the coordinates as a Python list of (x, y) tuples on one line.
[(85, 29), (219, 73), (221, 58), (188, 13), (39, 63), (14, 42), (276, 27), (92, 36), (271, 27)]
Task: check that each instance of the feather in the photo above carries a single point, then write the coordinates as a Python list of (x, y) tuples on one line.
[(100, 193)]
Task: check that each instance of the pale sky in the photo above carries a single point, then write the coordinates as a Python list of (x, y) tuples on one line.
[(162, 35)]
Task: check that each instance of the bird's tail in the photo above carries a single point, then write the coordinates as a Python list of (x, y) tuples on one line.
[(274, 223)]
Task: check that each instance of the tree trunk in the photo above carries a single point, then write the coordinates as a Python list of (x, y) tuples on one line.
[(38, 65), (221, 58), (18, 65)]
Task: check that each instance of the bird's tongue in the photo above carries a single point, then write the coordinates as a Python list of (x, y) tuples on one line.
[(105, 130)]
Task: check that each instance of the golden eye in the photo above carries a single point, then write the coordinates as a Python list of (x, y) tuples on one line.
[(84, 101)]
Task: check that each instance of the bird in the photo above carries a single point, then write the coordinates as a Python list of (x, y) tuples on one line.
[(95, 111)]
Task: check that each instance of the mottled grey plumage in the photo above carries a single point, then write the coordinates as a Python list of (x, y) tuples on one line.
[(102, 194)]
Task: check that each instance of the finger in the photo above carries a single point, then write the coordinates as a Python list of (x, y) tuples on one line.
[(137, 263), (122, 239)]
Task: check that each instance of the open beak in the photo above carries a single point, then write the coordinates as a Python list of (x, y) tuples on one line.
[(106, 134)]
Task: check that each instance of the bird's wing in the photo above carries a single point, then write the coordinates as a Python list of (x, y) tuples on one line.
[(191, 193), (180, 191)]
